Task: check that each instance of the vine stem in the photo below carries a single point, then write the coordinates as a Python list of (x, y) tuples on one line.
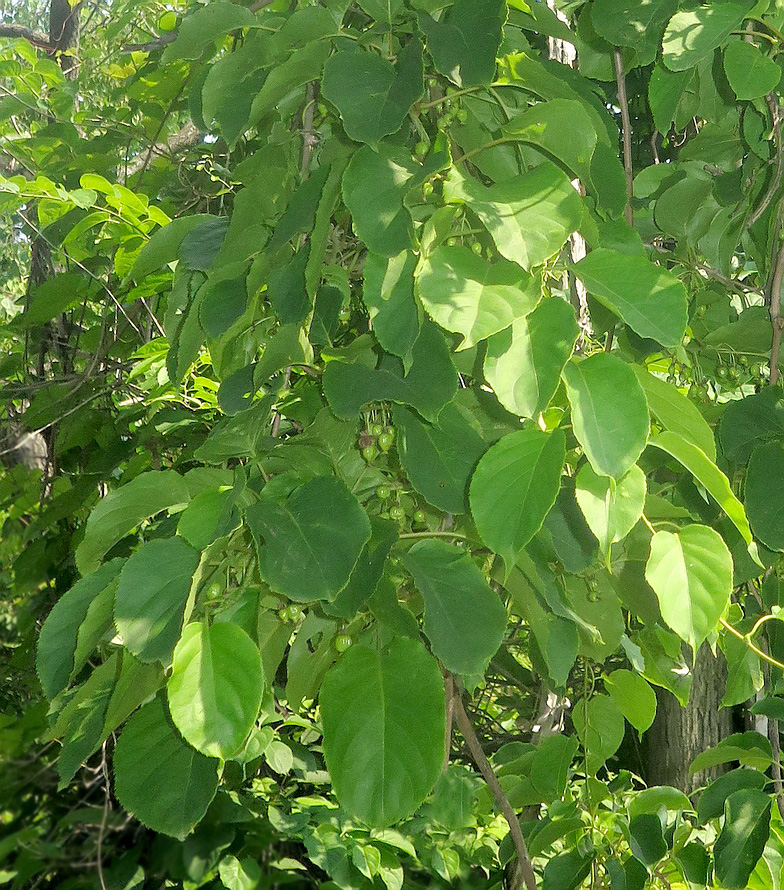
[(483, 764), (623, 102), (775, 114), (433, 535), (746, 638)]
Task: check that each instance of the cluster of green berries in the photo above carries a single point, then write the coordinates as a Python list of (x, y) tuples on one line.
[(377, 438)]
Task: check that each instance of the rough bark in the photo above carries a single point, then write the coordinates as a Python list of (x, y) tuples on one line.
[(679, 734)]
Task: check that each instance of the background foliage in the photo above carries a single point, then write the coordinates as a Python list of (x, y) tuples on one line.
[(391, 414)]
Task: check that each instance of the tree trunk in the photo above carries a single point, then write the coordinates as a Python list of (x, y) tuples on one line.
[(679, 734)]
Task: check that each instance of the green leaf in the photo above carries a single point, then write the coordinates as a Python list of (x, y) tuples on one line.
[(651, 300), (764, 494), (691, 573), (287, 290), (309, 543), (634, 697), (430, 384), (744, 671), (239, 874), (204, 26), (438, 458), (123, 509), (550, 766), (693, 34), (136, 683), (222, 303), (530, 216), (743, 837), (676, 412), (567, 871), (210, 515), (658, 798), (600, 726), (631, 23), (611, 508), (151, 597), (158, 778), (372, 95), (751, 74), (464, 44), (54, 296), (749, 748), (646, 838), (301, 67), (469, 296), (609, 412), (711, 803), (385, 11), (388, 294), (708, 475), (164, 245), (523, 364), (514, 487), (56, 663), (374, 187), (383, 718), (752, 421), (215, 687), (464, 619)]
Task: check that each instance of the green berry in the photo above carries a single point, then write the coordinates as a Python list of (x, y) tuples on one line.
[(722, 373), (462, 115), (427, 189), (452, 242), (476, 247), (167, 21), (421, 148), (385, 441), (344, 315), (397, 513), (343, 642), (215, 590), (376, 429), (420, 517), (369, 453), (383, 492)]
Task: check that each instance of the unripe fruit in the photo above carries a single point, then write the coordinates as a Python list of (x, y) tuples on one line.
[(376, 429), (477, 248), (167, 21), (385, 441), (397, 513), (452, 242), (420, 150), (370, 453), (462, 115), (383, 492), (420, 517), (427, 189), (343, 642)]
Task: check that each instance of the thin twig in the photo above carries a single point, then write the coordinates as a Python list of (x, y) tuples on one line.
[(449, 695), (774, 304), (623, 102), (744, 638), (775, 112), (502, 801)]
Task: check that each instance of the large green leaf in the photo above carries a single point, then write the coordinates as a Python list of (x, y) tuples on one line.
[(309, 543), (514, 487), (56, 660), (151, 597), (469, 296), (708, 475), (464, 619), (163, 247), (748, 748), (691, 573), (464, 44), (752, 421), (383, 718), (764, 494), (750, 72), (631, 23), (374, 186), (523, 364), (743, 837), (676, 412), (611, 508), (694, 33), (204, 26), (438, 458), (123, 509), (158, 778), (428, 386), (215, 687), (609, 412), (651, 300), (600, 726), (530, 217), (634, 697), (372, 95), (711, 803), (388, 294)]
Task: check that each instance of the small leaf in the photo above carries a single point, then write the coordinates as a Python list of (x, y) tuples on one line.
[(204, 26), (309, 543), (634, 696), (744, 835), (523, 363), (646, 838), (611, 508), (764, 494), (123, 509), (711, 803), (151, 597), (691, 573), (748, 748), (383, 718), (609, 412), (158, 778), (600, 726), (750, 72), (388, 294), (215, 687), (694, 33), (464, 619), (514, 487)]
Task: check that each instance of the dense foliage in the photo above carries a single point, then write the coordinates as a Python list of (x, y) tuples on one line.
[(391, 413)]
